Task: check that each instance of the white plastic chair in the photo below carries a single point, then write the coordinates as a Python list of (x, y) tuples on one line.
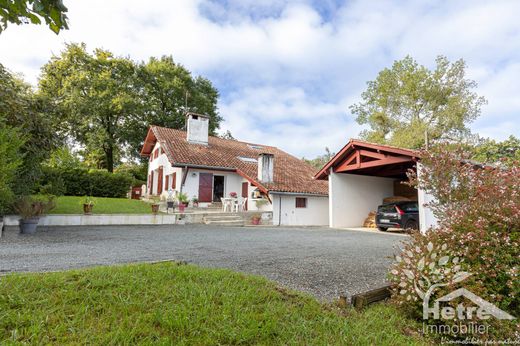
[(243, 204)]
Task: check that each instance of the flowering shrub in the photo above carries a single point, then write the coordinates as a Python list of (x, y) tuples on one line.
[(476, 244)]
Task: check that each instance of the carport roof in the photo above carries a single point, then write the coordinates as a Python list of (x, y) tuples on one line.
[(365, 158)]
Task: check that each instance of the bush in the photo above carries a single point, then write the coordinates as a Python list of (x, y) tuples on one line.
[(82, 182), (475, 246), (11, 141)]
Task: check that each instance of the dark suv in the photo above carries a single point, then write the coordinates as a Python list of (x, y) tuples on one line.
[(398, 215)]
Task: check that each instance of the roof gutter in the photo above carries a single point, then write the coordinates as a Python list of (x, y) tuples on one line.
[(298, 194), (182, 165)]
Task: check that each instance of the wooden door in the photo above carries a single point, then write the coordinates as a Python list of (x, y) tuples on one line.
[(205, 187), (160, 181), (245, 192)]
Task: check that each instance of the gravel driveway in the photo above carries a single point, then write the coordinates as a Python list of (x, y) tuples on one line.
[(321, 261)]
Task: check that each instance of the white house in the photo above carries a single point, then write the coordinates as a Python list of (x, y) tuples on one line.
[(208, 168), (362, 174)]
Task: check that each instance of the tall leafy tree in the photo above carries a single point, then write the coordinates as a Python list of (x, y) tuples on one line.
[(96, 99), (11, 141), (106, 103), (33, 11), (168, 90), (408, 100), (24, 115)]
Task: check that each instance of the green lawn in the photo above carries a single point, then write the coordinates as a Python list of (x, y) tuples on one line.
[(182, 304), (74, 205)]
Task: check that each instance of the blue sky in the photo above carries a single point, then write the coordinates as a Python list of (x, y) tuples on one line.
[(287, 71)]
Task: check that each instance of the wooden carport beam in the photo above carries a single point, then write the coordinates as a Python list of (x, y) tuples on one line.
[(376, 163)]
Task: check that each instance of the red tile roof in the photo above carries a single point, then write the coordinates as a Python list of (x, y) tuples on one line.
[(290, 173)]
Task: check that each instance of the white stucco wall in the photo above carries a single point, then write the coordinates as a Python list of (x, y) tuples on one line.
[(232, 182), (426, 217), (168, 170), (285, 211), (352, 197)]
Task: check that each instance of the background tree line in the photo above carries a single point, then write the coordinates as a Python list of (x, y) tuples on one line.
[(92, 111), (409, 102)]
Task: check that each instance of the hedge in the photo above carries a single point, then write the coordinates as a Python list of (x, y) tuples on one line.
[(83, 182)]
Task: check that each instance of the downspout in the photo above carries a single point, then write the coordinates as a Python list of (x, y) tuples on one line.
[(184, 176), (280, 210)]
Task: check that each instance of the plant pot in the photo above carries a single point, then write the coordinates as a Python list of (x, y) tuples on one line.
[(155, 208), (87, 209), (195, 204), (255, 221), (28, 226), (182, 206)]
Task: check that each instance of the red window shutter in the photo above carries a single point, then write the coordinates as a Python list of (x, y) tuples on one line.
[(174, 180), (301, 202), (151, 183), (166, 182)]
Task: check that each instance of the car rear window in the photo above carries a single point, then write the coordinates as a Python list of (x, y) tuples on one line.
[(410, 207), (389, 208)]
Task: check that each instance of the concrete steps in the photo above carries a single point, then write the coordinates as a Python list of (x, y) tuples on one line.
[(224, 220)]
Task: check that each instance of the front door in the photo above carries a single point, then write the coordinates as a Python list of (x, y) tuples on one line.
[(205, 187), (245, 190), (218, 188)]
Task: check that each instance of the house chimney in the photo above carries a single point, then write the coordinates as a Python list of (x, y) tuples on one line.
[(197, 128), (266, 168)]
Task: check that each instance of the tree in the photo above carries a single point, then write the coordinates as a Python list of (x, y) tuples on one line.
[(320, 161), (95, 96), (491, 151), (33, 11), (10, 160), (227, 135), (106, 103), (168, 91), (25, 113), (408, 100)]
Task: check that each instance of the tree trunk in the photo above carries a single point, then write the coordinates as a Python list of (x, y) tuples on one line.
[(109, 153)]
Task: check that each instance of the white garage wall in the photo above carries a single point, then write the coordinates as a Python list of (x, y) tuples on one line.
[(352, 197), (286, 213), (426, 217)]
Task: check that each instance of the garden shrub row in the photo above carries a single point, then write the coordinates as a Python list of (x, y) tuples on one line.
[(82, 182)]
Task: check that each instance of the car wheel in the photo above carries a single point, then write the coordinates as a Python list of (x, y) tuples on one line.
[(382, 229), (411, 225)]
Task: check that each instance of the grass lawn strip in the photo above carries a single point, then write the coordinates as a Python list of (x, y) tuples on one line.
[(182, 304), (103, 205)]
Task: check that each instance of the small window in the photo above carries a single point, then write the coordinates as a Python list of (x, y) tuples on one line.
[(174, 180), (194, 117), (301, 202)]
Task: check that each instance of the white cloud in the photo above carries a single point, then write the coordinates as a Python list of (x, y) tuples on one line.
[(287, 72)]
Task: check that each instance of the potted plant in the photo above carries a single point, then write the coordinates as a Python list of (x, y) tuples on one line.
[(170, 200), (31, 209), (183, 201), (195, 202), (255, 219), (260, 203), (88, 205), (155, 205), (233, 195)]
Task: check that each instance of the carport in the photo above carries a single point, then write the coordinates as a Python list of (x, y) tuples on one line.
[(362, 174)]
